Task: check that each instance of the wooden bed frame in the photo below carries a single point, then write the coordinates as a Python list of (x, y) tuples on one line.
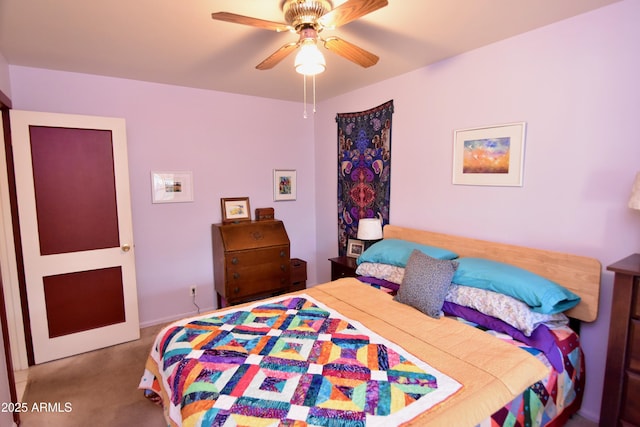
[(578, 273)]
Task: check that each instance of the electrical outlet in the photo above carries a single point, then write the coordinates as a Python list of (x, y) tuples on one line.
[(192, 291)]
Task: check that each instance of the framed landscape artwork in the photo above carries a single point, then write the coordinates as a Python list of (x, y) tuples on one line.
[(492, 155)]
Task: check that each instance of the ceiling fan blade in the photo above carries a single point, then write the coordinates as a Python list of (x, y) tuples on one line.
[(351, 52), (349, 11), (277, 56), (247, 20)]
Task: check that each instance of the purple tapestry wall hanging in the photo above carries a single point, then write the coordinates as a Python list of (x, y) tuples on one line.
[(364, 169)]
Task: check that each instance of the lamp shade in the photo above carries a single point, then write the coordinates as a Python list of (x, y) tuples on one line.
[(309, 60), (369, 229), (634, 200)]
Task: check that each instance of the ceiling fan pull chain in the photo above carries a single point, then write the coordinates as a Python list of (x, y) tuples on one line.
[(314, 94), (304, 91)]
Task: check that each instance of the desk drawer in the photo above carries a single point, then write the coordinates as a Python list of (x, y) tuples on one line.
[(339, 271), (256, 272)]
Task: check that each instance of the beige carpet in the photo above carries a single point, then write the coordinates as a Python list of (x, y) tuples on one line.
[(100, 386)]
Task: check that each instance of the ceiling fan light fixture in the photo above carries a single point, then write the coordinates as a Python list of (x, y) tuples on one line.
[(309, 60)]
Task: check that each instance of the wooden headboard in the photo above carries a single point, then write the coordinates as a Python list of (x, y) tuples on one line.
[(577, 273)]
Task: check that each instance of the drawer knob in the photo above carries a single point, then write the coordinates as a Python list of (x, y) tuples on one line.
[(234, 260), (236, 289), (236, 276), (283, 267), (282, 253)]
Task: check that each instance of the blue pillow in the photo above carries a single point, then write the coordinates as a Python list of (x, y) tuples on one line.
[(397, 252), (542, 295)]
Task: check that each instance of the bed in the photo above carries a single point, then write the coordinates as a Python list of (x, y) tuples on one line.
[(347, 353)]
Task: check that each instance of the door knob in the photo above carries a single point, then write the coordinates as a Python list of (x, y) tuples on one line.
[(125, 248)]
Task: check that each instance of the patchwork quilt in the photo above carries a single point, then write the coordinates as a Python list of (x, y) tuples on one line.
[(551, 401), (288, 361)]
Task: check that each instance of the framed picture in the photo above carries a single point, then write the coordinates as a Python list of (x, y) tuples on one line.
[(492, 155), (235, 209), (355, 248), (171, 187), (284, 184)]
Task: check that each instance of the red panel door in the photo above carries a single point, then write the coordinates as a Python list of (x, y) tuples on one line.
[(75, 220)]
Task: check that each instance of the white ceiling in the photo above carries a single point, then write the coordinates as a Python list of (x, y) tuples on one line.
[(176, 41)]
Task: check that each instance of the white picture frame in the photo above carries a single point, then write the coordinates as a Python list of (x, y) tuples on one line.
[(490, 155), (284, 184), (171, 186)]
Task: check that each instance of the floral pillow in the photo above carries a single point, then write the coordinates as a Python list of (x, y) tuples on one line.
[(508, 309), (391, 273)]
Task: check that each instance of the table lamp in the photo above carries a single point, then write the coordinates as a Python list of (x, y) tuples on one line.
[(369, 230), (634, 200)]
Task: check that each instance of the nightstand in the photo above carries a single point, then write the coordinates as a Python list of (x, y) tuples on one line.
[(343, 266)]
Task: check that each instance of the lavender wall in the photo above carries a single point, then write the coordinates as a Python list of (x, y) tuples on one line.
[(231, 143), (576, 85), (5, 85)]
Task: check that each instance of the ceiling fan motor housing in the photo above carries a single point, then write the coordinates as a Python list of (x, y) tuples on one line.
[(305, 13)]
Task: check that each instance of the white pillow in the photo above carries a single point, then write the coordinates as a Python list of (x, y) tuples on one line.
[(508, 309), (391, 273)]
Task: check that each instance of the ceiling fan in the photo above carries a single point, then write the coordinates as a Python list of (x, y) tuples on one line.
[(308, 18)]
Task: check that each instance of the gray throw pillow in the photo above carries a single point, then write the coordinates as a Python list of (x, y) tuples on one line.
[(425, 283)]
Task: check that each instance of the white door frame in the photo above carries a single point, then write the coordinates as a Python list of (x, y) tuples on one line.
[(9, 267), (37, 266)]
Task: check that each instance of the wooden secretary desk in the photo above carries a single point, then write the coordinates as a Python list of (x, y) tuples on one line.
[(251, 260)]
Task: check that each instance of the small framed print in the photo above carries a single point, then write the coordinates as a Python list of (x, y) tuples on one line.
[(284, 184), (355, 248), (235, 209), (171, 187)]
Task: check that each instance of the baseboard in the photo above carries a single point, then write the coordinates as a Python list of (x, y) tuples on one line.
[(588, 415), (174, 317)]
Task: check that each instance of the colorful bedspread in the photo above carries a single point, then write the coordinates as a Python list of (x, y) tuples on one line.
[(289, 361), (551, 401)]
